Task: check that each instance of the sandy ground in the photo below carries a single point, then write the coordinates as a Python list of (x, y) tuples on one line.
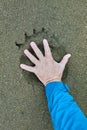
[(23, 104)]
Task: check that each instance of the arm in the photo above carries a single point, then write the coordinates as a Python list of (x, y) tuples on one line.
[(65, 113)]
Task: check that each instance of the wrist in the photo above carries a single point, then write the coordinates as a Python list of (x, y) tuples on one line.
[(52, 80)]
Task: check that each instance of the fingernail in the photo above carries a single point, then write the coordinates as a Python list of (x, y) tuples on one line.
[(44, 40), (69, 55), (32, 43), (25, 51), (21, 65)]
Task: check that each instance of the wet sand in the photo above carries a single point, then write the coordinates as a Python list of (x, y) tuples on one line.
[(23, 103)]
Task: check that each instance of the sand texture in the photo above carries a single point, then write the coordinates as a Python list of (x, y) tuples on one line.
[(23, 104)]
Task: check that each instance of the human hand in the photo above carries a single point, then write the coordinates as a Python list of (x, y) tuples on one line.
[(46, 68)]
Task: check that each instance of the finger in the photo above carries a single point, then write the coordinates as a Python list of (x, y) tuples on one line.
[(47, 49), (28, 68), (36, 50), (65, 59), (30, 56)]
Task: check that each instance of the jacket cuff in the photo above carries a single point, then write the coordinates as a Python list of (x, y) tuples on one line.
[(57, 86)]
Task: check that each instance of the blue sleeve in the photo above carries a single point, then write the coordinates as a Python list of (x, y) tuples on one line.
[(65, 113)]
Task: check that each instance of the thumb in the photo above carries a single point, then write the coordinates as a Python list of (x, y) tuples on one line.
[(65, 59)]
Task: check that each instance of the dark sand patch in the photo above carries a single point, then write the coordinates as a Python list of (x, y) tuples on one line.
[(58, 51)]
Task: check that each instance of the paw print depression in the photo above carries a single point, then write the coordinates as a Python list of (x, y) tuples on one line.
[(58, 51)]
